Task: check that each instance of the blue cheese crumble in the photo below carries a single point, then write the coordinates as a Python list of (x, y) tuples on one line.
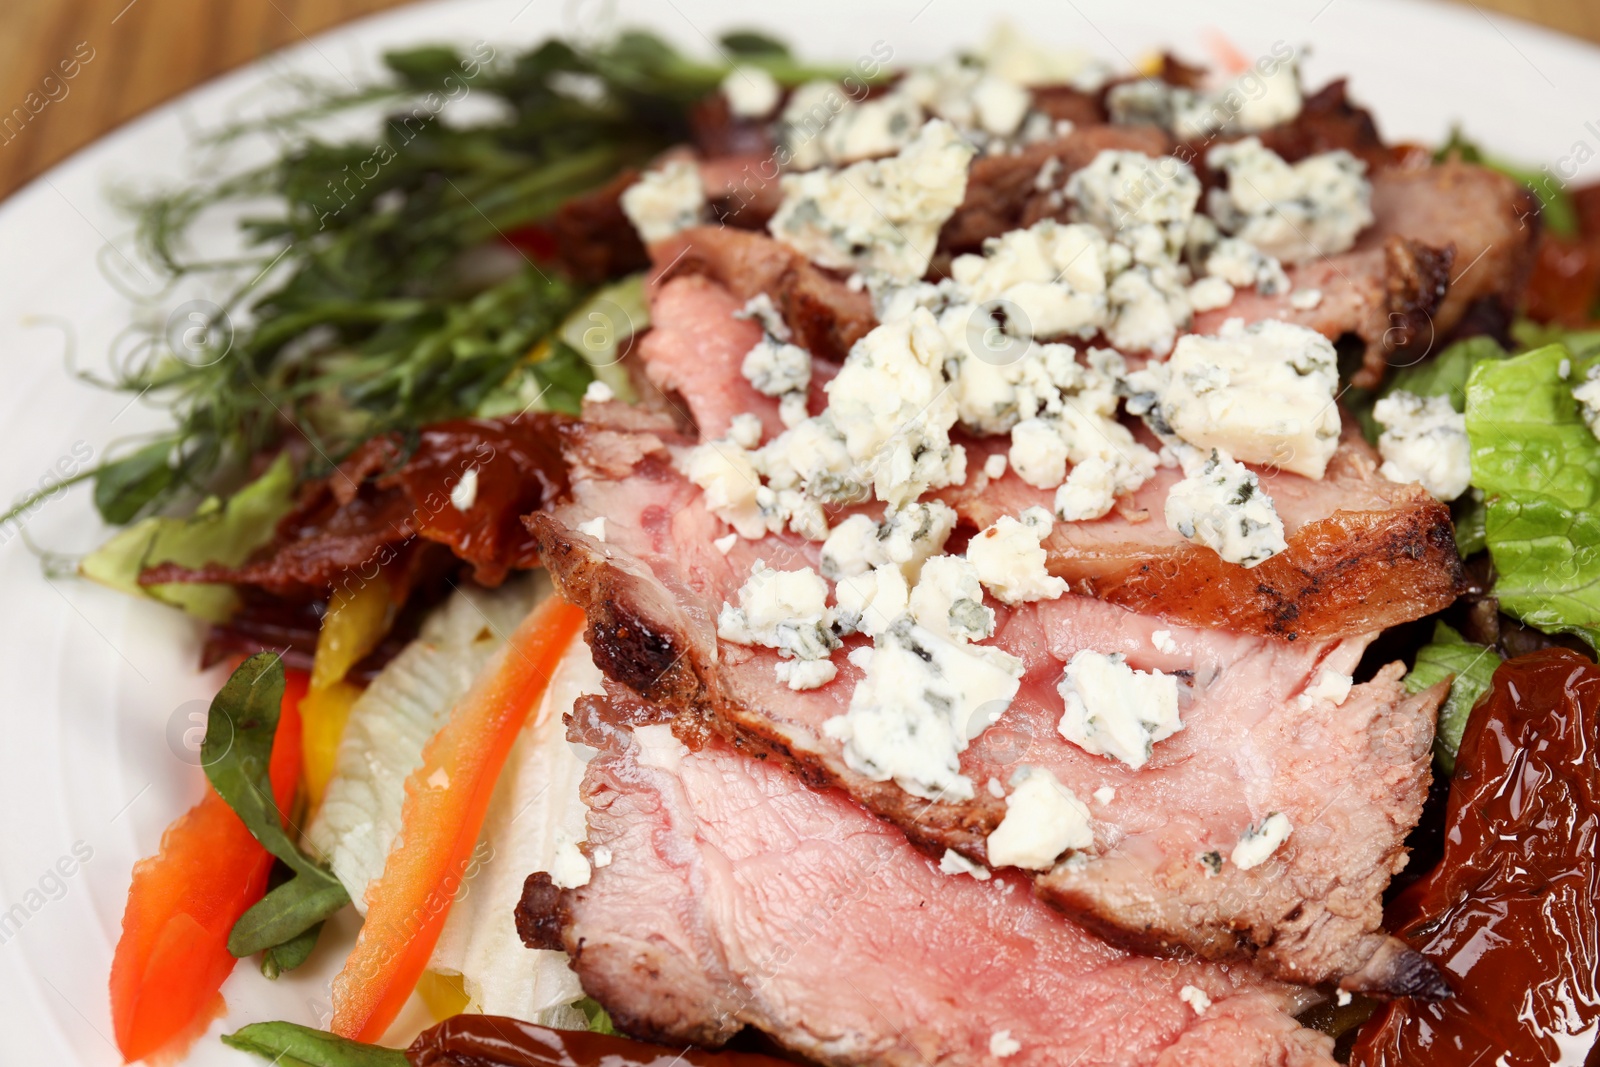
[(921, 700), (751, 92), (881, 217), (1009, 558), (1293, 211), (1222, 506), (948, 600), (1424, 440), (1264, 393), (1259, 842), (1113, 710), (1042, 821), (785, 610), (1588, 397), (665, 201)]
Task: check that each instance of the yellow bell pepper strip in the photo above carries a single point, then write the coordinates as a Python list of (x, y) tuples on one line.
[(359, 615), (446, 800), (173, 956)]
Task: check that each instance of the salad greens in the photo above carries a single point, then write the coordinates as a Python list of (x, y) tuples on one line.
[(1470, 668), (216, 532), (237, 752), (1538, 466), (366, 299)]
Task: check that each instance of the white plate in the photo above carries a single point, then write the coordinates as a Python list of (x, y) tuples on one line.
[(100, 688)]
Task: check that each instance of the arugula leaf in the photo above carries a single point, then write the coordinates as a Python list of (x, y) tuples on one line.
[(291, 953), (237, 752), (216, 533), (292, 1044), (1539, 468), (123, 489), (1473, 669)]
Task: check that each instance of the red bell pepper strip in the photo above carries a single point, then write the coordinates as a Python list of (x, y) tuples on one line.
[(173, 955), (446, 799)]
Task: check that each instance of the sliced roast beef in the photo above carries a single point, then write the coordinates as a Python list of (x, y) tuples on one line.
[(825, 315), (1250, 746), (1387, 295), (734, 896), (1364, 553), (1489, 219), (1005, 191)]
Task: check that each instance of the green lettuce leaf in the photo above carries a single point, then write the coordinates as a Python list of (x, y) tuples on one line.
[(236, 753), (1539, 468), (218, 532), (1446, 374), (1471, 668)]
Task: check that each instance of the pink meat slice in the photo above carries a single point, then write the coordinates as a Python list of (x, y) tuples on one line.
[(736, 896), (652, 592)]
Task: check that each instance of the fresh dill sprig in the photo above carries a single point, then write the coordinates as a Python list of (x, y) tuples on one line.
[(363, 313)]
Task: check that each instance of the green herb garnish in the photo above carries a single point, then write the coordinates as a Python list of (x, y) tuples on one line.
[(294, 1045), (237, 753)]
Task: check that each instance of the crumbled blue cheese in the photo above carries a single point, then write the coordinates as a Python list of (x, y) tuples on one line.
[(1038, 454), (822, 124), (725, 544), (761, 310), (1305, 299), (595, 528), (751, 92), (1042, 821), (1295, 212), (1223, 507), (1243, 266), (905, 537), (954, 863), (1256, 100), (800, 674), (783, 370), (1089, 492), (1424, 440), (1196, 998), (1330, 685), (1209, 293), (812, 457), (921, 700), (1104, 795), (464, 493), (1146, 202), (598, 392), (894, 408), (1002, 1045), (869, 603), (878, 216), (665, 200), (968, 97), (995, 466), (727, 475), (1163, 642), (1257, 843), (948, 600), (1010, 559), (1114, 710), (1587, 395), (745, 429), (785, 610), (569, 869), (1022, 59), (1264, 393), (1055, 275)]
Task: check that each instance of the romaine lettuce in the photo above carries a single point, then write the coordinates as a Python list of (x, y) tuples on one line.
[(1473, 667), (1539, 468)]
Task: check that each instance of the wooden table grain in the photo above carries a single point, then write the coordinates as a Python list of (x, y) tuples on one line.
[(73, 70)]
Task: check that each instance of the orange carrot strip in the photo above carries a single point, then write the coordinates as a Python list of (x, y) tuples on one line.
[(446, 799), (173, 955)]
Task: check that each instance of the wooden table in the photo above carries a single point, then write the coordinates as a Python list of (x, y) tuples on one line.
[(129, 55)]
